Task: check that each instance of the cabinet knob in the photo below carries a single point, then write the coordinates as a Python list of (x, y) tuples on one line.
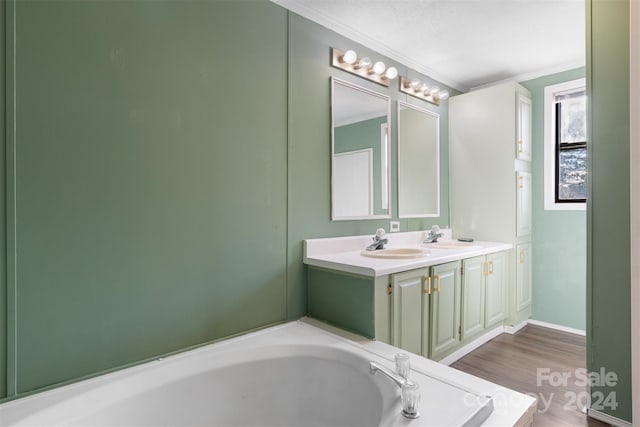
[(490, 267), (436, 280), (521, 257)]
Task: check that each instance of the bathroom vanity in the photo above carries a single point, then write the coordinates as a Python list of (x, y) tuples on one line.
[(428, 298)]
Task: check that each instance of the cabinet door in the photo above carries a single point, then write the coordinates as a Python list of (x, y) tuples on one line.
[(407, 309), (474, 271), (523, 208), (523, 127), (445, 309), (495, 289), (523, 276)]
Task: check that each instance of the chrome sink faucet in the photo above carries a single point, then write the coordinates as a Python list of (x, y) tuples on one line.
[(434, 235), (410, 390), (379, 240)]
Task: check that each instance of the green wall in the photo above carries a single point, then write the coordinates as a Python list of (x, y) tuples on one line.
[(150, 180), (608, 217), (166, 161), (309, 202), (559, 237), (360, 136)]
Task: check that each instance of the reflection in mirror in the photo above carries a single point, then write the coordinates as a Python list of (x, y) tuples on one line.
[(360, 148), (418, 162)]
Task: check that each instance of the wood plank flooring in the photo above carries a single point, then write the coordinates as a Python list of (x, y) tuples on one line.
[(528, 362)]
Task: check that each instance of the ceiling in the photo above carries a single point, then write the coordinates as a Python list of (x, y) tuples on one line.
[(462, 43)]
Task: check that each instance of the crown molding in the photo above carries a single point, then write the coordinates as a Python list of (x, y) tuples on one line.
[(535, 74)]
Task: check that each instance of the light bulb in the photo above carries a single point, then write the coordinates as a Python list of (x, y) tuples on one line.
[(391, 73), (349, 57), (443, 95), (415, 84), (423, 88), (434, 91), (364, 63), (378, 68)]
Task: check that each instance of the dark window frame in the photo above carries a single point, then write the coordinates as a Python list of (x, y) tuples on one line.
[(563, 147)]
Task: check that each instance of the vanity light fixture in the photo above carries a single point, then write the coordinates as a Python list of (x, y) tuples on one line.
[(422, 90), (363, 67)]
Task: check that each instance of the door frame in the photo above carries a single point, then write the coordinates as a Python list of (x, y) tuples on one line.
[(634, 111)]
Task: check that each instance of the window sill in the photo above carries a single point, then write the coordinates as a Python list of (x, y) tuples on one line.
[(552, 206)]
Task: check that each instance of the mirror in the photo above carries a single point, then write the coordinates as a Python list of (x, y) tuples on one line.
[(360, 151), (418, 162)]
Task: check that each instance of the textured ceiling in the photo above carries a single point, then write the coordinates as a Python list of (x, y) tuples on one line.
[(462, 43)]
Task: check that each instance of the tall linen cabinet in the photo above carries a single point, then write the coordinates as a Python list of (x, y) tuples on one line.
[(490, 180)]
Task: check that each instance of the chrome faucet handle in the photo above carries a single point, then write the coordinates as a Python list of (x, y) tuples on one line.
[(403, 365), (410, 399)]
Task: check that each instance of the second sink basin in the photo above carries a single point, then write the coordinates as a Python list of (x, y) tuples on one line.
[(397, 253)]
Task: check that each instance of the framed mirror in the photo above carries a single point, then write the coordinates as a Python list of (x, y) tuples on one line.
[(360, 152), (418, 162)]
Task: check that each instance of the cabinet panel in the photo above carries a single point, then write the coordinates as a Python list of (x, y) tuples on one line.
[(523, 132), (523, 216), (445, 308), (495, 289), (473, 296), (523, 279), (407, 309)]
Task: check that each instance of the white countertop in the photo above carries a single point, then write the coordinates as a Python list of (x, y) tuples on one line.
[(346, 253)]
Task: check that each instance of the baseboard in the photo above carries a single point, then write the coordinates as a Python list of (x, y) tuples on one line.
[(513, 329), (601, 416), (468, 348), (557, 327)]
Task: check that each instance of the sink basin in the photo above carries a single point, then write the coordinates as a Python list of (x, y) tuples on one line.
[(451, 244), (397, 253)]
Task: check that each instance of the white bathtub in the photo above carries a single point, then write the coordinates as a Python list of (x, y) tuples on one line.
[(290, 375)]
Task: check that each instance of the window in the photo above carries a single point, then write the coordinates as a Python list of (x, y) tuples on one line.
[(565, 146)]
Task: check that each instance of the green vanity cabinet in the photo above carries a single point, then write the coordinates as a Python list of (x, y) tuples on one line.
[(473, 295), (431, 311), (445, 309), (495, 289), (523, 276), (483, 293), (411, 310), (426, 309)]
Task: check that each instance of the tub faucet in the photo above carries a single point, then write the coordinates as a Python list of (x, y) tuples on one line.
[(434, 235), (410, 390), (379, 240)]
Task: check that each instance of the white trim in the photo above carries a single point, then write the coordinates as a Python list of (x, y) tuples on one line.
[(601, 416), (634, 146), (365, 40), (534, 74), (468, 348), (557, 327), (550, 147), (505, 329), (513, 329)]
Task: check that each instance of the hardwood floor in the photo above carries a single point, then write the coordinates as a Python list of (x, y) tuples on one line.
[(531, 361)]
